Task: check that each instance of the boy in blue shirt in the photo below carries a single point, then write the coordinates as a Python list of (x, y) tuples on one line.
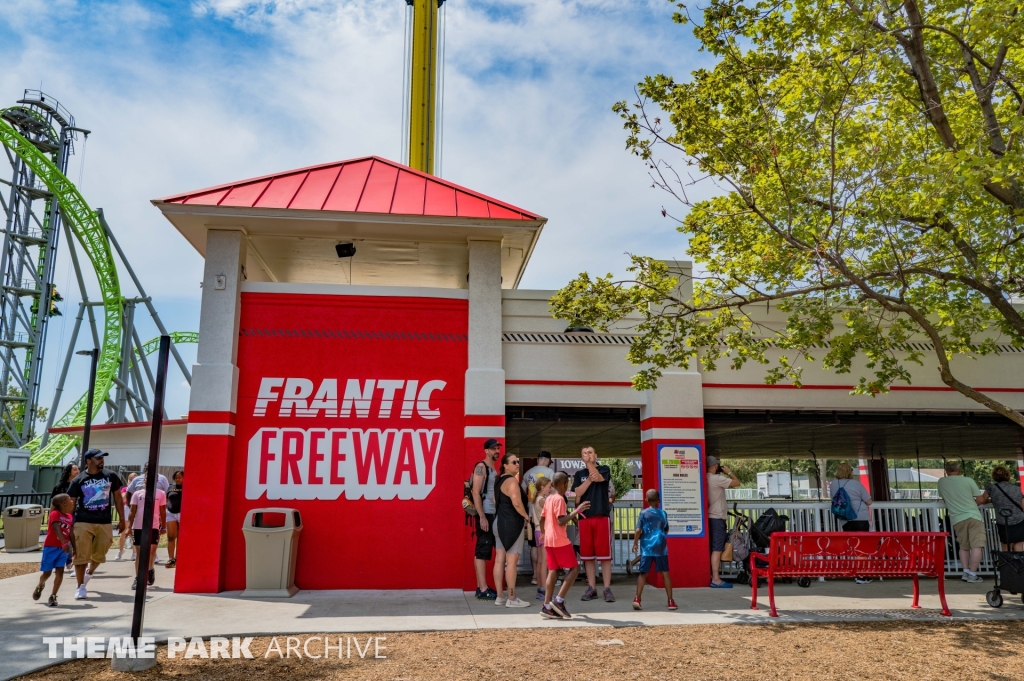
[(650, 539)]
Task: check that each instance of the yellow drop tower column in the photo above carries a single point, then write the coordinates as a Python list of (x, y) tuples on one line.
[(423, 85)]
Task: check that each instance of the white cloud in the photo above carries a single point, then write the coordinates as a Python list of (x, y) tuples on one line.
[(230, 89)]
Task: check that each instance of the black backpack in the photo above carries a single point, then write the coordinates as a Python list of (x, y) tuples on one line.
[(767, 524)]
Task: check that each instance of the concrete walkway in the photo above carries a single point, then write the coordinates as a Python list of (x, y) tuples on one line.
[(107, 611)]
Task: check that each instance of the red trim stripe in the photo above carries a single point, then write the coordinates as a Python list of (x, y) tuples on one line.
[(675, 441), (895, 388), (672, 422), (616, 384), (211, 417), (485, 419)]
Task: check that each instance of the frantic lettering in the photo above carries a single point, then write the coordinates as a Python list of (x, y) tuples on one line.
[(300, 397)]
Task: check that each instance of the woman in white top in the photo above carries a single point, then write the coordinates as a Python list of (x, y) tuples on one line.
[(860, 501)]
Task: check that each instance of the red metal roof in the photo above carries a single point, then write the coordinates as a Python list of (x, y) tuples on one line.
[(360, 185)]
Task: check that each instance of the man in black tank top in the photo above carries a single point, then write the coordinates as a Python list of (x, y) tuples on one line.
[(483, 500)]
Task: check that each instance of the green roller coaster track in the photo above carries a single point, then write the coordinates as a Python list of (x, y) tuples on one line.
[(87, 228), (60, 444)]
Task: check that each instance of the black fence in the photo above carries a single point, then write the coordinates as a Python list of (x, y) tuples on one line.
[(43, 499)]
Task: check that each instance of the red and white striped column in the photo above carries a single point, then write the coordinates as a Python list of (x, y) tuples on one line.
[(862, 471), (674, 415), (210, 439)]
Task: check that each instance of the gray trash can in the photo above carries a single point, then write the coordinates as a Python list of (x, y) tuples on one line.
[(271, 548), (21, 527)]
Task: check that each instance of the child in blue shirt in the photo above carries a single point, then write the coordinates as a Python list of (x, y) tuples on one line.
[(650, 539)]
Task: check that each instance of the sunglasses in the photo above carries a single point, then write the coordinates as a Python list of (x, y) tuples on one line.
[(514, 463)]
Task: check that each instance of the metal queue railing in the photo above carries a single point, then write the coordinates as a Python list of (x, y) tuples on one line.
[(886, 516), (624, 515), (807, 516)]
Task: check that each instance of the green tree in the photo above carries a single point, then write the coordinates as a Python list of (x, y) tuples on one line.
[(621, 475), (866, 161)]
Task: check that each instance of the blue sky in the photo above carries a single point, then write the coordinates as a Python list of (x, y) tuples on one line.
[(182, 95)]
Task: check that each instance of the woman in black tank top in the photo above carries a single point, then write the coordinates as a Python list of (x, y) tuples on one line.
[(510, 520)]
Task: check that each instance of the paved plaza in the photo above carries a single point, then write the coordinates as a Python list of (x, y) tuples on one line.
[(107, 611)]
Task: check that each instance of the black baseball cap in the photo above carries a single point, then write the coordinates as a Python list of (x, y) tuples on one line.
[(491, 443), (93, 453), (545, 455)]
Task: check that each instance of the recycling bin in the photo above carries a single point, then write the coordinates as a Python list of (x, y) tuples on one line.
[(271, 549), (21, 527)]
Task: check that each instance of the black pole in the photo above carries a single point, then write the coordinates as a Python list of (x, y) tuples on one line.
[(920, 492), (142, 573), (95, 356)]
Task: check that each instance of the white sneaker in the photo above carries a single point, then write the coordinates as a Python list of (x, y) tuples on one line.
[(85, 580), (80, 593), (974, 579), (120, 555), (517, 602), (502, 599)]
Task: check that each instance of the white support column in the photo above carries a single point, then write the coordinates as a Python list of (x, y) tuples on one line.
[(485, 378), (215, 374)]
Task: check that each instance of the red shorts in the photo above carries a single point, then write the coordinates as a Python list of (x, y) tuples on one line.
[(595, 538), (561, 557)]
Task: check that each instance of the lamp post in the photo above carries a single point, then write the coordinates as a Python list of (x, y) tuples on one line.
[(95, 354)]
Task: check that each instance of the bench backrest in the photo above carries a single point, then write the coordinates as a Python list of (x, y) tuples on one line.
[(884, 553)]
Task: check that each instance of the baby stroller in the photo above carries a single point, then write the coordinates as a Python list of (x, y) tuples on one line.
[(767, 524), (1009, 570), (739, 537)]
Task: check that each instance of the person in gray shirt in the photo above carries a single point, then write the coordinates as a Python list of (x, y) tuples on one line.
[(1007, 497), (140, 482), (860, 501)]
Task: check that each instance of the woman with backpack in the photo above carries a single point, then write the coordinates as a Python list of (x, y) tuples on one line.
[(850, 504)]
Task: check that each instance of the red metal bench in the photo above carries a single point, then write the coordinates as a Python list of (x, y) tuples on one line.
[(851, 554)]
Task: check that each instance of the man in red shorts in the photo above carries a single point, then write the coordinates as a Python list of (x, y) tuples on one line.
[(558, 548), (593, 484)]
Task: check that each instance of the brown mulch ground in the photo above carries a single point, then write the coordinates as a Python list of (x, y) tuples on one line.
[(17, 569), (923, 651)]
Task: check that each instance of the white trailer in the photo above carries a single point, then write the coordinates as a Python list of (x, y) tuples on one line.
[(774, 484)]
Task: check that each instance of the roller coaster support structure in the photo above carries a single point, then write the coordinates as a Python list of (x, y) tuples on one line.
[(37, 136)]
